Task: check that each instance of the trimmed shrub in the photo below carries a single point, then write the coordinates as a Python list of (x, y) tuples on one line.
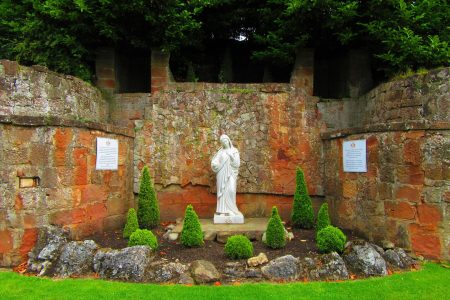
[(323, 219), (238, 246), (302, 212), (148, 208), (191, 235), (132, 223), (275, 233), (330, 239), (143, 237)]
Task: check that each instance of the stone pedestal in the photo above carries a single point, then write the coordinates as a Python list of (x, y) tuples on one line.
[(228, 219)]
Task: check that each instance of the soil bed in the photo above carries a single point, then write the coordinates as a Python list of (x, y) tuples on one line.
[(302, 245)]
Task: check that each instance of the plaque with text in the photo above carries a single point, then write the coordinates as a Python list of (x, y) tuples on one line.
[(107, 154), (354, 155)]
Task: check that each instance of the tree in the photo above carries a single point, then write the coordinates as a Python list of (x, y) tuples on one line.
[(302, 212), (191, 234), (64, 34), (275, 232), (148, 208), (323, 219), (132, 223)]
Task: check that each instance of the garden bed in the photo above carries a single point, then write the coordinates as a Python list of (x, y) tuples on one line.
[(302, 245)]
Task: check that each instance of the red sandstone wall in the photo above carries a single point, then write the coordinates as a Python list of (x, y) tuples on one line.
[(71, 192), (404, 195), (274, 127)]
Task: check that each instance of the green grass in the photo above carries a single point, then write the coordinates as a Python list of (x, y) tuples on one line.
[(432, 282)]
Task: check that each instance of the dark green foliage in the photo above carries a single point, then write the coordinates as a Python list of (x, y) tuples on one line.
[(323, 219), (65, 34), (143, 237), (132, 223), (302, 215), (191, 235), (330, 239), (148, 208), (275, 233), (238, 246)]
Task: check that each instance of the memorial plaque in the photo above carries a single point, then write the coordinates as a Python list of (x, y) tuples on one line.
[(107, 154), (354, 155)]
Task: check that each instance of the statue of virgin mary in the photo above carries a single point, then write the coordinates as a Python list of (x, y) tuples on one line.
[(225, 164)]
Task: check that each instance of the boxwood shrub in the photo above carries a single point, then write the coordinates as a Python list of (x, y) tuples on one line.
[(330, 239), (238, 246), (143, 237)]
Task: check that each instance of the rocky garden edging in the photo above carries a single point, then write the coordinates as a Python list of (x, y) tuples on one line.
[(55, 255)]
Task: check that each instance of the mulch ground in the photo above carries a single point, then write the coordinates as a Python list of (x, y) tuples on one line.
[(302, 245)]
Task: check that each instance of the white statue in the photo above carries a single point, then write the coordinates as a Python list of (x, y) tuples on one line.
[(225, 164)]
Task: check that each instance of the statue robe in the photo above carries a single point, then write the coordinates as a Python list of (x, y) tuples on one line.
[(226, 169)]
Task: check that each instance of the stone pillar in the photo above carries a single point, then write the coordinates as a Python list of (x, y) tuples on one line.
[(160, 70), (359, 73), (105, 69), (302, 76)]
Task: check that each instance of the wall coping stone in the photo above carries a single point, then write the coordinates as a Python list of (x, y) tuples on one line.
[(386, 127), (33, 121), (228, 87)]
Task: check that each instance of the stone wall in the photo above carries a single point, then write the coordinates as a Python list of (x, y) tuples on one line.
[(404, 195), (36, 91), (70, 191), (273, 125), (419, 97)]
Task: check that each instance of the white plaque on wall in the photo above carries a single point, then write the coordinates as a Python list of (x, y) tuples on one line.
[(107, 154), (354, 155)]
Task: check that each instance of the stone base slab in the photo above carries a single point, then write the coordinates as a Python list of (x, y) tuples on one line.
[(224, 219), (253, 228)]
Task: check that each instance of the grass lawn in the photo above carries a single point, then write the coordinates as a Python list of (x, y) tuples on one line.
[(432, 282)]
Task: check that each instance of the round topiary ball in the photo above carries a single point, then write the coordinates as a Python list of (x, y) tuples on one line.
[(143, 237), (330, 239), (238, 246)]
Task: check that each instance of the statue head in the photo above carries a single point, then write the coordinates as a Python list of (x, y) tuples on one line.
[(225, 141)]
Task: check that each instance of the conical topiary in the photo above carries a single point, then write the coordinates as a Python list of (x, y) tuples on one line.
[(302, 211), (323, 219), (275, 233), (192, 234), (148, 208), (132, 223)]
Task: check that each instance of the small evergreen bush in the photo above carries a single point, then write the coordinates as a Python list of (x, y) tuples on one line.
[(323, 219), (191, 235), (132, 223), (238, 246), (148, 208), (143, 237), (330, 239), (302, 212), (275, 233)]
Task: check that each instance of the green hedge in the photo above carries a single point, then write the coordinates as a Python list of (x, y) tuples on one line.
[(143, 237), (148, 208), (330, 239), (132, 223), (323, 218), (302, 212), (192, 234), (238, 246), (275, 233)]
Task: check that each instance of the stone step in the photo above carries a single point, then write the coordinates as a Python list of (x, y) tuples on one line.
[(253, 228)]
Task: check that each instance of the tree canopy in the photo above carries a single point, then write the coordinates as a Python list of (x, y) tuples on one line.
[(63, 34)]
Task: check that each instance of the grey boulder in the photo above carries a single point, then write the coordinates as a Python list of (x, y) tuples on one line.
[(281, 268), (329, 267), (203, 271), (76, 258), (398, 258), (364, 260), (130, 264)]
